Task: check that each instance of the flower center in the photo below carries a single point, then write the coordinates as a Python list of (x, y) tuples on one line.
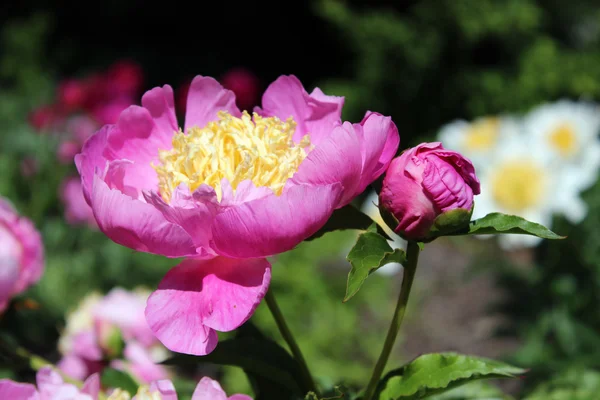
[(143, 393), (256, 148), (564, 140), (482, 134), (518, 185)]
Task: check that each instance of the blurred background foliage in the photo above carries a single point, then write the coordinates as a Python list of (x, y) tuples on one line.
[(422, 62)]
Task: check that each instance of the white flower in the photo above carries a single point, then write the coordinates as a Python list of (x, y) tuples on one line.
[(370, 207), (479, 139), (567, 133), (521, 180)]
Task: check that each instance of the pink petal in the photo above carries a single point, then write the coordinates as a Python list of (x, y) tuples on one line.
[(193, 212), (138, 225), (206, 97), (445, 186), (208, 389), (73, 366), (161, 105), (165, 388), (17, 391), (316, 114), (379, 141), (141, 364), (198, 296), (239, 397), (274, 224), (91, 386), (141, 132), (125, 310), (92, 159), (21, 252), (337, 159)]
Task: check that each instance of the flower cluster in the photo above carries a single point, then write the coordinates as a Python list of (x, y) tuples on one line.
[(532, 166), (111, 330), (21, 253), (228, 190), (51, 386), (80, 108)]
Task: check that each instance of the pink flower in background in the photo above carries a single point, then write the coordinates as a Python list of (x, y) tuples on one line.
[(207, 389), (83, 105), (50, 386), (21, 253), (244, 84), (77, 210), (231, 190), (44, 117), (424, 182), (71, 94), (94, 332)]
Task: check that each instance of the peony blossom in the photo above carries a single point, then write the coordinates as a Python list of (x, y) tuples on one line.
[(207, 389), (50, 386), (21, 253), (424, 182), (97, 329), (225, 191)]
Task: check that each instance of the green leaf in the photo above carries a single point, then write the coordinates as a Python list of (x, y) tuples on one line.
[(347, 217), (370, 252), (503, 223), (257, 356), (477, 390), (114, 378), (432, 374)]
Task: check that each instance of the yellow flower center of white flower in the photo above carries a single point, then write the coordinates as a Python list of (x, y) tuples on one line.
[(143, 393), (256, 148), (518, 185), (482, 134), (564, 140)]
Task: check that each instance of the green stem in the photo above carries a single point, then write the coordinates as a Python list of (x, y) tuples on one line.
[(410, 267), (307, 380)]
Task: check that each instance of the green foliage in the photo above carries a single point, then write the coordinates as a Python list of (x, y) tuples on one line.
[(259, 357), (437, 373), (497, 223), (429, 62), (572, 385), (476, 390), (113, 378), (371, 251)]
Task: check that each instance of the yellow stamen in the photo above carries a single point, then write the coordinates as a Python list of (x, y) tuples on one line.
[(518, 185), (257, 148), (143, 393), (564, 140), (482, 134)]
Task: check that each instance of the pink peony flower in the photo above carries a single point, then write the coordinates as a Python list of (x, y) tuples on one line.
[(424, 182), (50, 386), (244, 84), (226, 192), (21, 253), (77, 211), (94, 331), (207, 389)]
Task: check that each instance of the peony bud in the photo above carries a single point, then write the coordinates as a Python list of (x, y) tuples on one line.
[(427, 182)]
